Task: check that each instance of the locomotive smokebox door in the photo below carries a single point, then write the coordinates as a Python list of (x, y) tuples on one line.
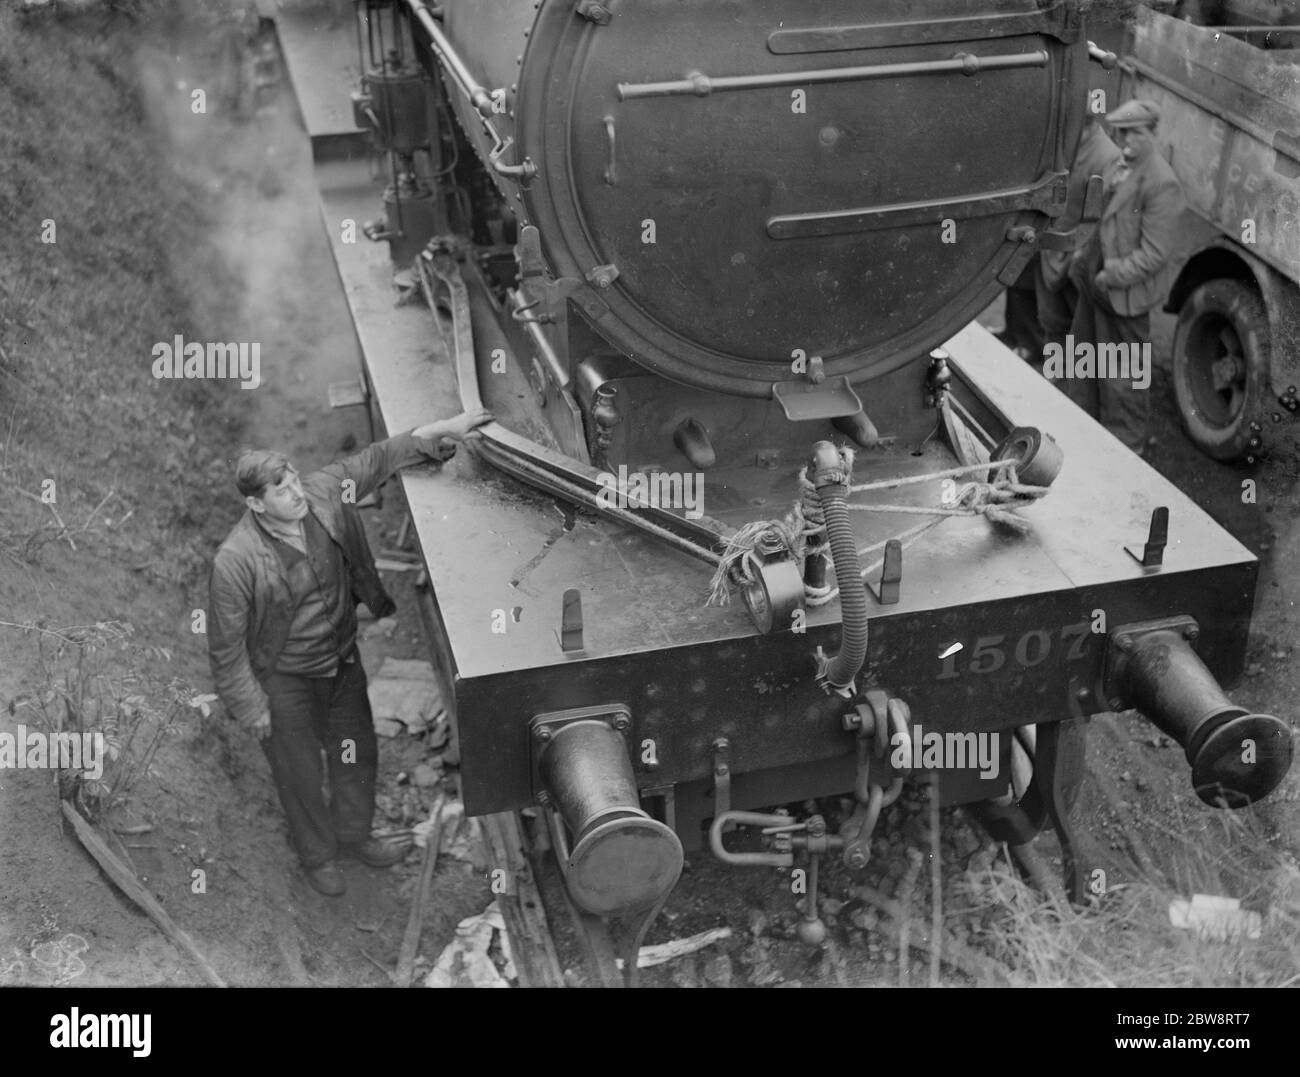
[(786, 176)]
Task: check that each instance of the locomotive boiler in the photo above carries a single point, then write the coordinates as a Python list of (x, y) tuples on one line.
[(761, 509)]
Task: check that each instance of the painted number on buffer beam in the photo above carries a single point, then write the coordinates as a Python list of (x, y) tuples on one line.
[(988, 654)]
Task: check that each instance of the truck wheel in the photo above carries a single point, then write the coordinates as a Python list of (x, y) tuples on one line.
[(1221, 357)]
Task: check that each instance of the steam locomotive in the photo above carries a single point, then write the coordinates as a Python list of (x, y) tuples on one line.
[(760, 505)]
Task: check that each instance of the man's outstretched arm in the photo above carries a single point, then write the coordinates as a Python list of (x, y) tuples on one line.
[(370, 467)]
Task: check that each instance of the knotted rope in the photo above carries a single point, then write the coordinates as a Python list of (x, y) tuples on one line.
[(739, 561), (996, 500), (802, 532)]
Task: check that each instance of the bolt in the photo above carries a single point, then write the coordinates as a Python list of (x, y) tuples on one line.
[(542, 733), (1124, 643), (543, 797), (856, 858), (1116, 704), (1083, 694), (1191, 632), (852, 722), (622, 723)]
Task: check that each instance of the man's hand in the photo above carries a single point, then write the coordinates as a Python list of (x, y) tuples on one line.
[(457, 427), (261, 725)]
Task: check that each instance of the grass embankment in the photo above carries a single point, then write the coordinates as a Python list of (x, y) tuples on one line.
[(101, 246), (108, 476), (1127, 938)]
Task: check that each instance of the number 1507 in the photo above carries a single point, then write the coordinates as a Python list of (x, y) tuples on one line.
[(989, 653)]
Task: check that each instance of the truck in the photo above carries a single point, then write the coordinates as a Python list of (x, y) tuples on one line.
[(1229, 97)]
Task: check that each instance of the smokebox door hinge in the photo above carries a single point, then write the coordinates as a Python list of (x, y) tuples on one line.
[(1026, 240)]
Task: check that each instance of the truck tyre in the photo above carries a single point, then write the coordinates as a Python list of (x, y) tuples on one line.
[(1221, 357)]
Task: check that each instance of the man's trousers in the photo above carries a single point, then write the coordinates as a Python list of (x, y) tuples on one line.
[(1120, 408), (1055, 310), (309, 714)]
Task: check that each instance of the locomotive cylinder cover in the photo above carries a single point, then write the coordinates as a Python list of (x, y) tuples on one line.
[(852, 181)]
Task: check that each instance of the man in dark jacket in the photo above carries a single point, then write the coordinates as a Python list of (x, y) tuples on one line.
[(1138, 241), (282, 636)]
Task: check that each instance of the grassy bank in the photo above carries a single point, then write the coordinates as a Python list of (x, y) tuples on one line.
[(99, 238)]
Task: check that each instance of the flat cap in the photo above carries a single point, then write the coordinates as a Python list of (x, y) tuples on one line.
[(1137, 113)]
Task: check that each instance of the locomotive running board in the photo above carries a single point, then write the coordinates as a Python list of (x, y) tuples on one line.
[(533, 463)]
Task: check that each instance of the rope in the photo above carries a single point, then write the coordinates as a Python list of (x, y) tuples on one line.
[(802, 532), (997, 501), (931, 476), (739, 562)]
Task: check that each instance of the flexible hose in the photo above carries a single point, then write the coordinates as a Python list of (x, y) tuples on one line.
[(853, 596)]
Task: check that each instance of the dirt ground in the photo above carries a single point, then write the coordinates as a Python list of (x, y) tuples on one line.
[(207, 803)]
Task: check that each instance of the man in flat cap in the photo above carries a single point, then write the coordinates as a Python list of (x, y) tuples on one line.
[(1127, 270), (282, 632)]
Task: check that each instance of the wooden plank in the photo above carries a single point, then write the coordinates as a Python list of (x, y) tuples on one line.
[(415, 922), (531, 945), (130, 885)]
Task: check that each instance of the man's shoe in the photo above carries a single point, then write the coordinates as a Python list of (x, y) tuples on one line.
[(327, 879), (378, 854)]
